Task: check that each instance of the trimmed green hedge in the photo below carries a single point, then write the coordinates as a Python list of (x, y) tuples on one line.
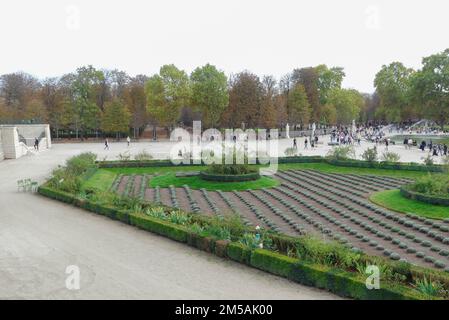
[(385, 165), (229, 177), (334, 280), (238, 252), (296, 159), (337, 281), (423, 197)]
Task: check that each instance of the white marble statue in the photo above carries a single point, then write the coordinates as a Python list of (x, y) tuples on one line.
[(287, 131)]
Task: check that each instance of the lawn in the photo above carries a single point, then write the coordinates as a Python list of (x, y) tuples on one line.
[(165, 180), (100, 180), (324, 167), (103, 178), (392, 199)]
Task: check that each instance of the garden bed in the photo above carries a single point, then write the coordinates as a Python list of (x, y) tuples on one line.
[(431, 199), (344, 283), (334, 207), (229, 177)]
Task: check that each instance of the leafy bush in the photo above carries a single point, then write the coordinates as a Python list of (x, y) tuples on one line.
[(78, 165), (432, 184), (230, 169), (143, 155), (341, 153), (389, 156), (370, 154), (70, 177)]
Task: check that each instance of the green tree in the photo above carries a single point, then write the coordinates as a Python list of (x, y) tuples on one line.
[(116, 118), (329, 79), (299, 110), (209, 93), (348, 104), (167, 93), (83, 94), (392, 84), (430, 87)]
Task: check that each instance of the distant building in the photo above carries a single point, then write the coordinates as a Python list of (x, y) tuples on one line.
[(17, 140)]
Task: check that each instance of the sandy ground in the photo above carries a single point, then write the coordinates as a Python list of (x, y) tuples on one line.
[(39, 238)]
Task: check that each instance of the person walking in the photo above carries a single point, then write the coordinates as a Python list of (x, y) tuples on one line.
[(36, 144), (128, 140), (305, 144), (295, 145), (106, 144)]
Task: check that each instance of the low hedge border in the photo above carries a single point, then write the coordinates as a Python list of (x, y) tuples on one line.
[(334, 280), (229, 177), (283, 160), (406, 192)]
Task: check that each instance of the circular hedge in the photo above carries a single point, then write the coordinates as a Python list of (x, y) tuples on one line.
[(406, 192), (229, 177)]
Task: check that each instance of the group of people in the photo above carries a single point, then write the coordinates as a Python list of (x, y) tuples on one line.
[(313, 143), (439, 149), (106, 143)]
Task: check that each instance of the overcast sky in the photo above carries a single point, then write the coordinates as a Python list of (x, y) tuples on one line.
[(52, 37)]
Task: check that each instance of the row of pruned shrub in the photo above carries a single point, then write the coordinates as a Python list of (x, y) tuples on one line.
[(296, 159), (303, 270)]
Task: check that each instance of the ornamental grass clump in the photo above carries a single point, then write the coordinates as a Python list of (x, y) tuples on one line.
[(178, 217), (330, 254), (341, 153), (428, 287)]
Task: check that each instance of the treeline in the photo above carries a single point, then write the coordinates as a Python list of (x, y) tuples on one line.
[(403, 94), (91, 100), (110, 101)]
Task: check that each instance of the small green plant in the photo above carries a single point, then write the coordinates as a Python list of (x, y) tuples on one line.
[(217, 231), (249, 240), (341, 153), (428, 287), (143, 155), (179, 217), (370, 154), (390, 156), (196, 228), (157, 212)]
